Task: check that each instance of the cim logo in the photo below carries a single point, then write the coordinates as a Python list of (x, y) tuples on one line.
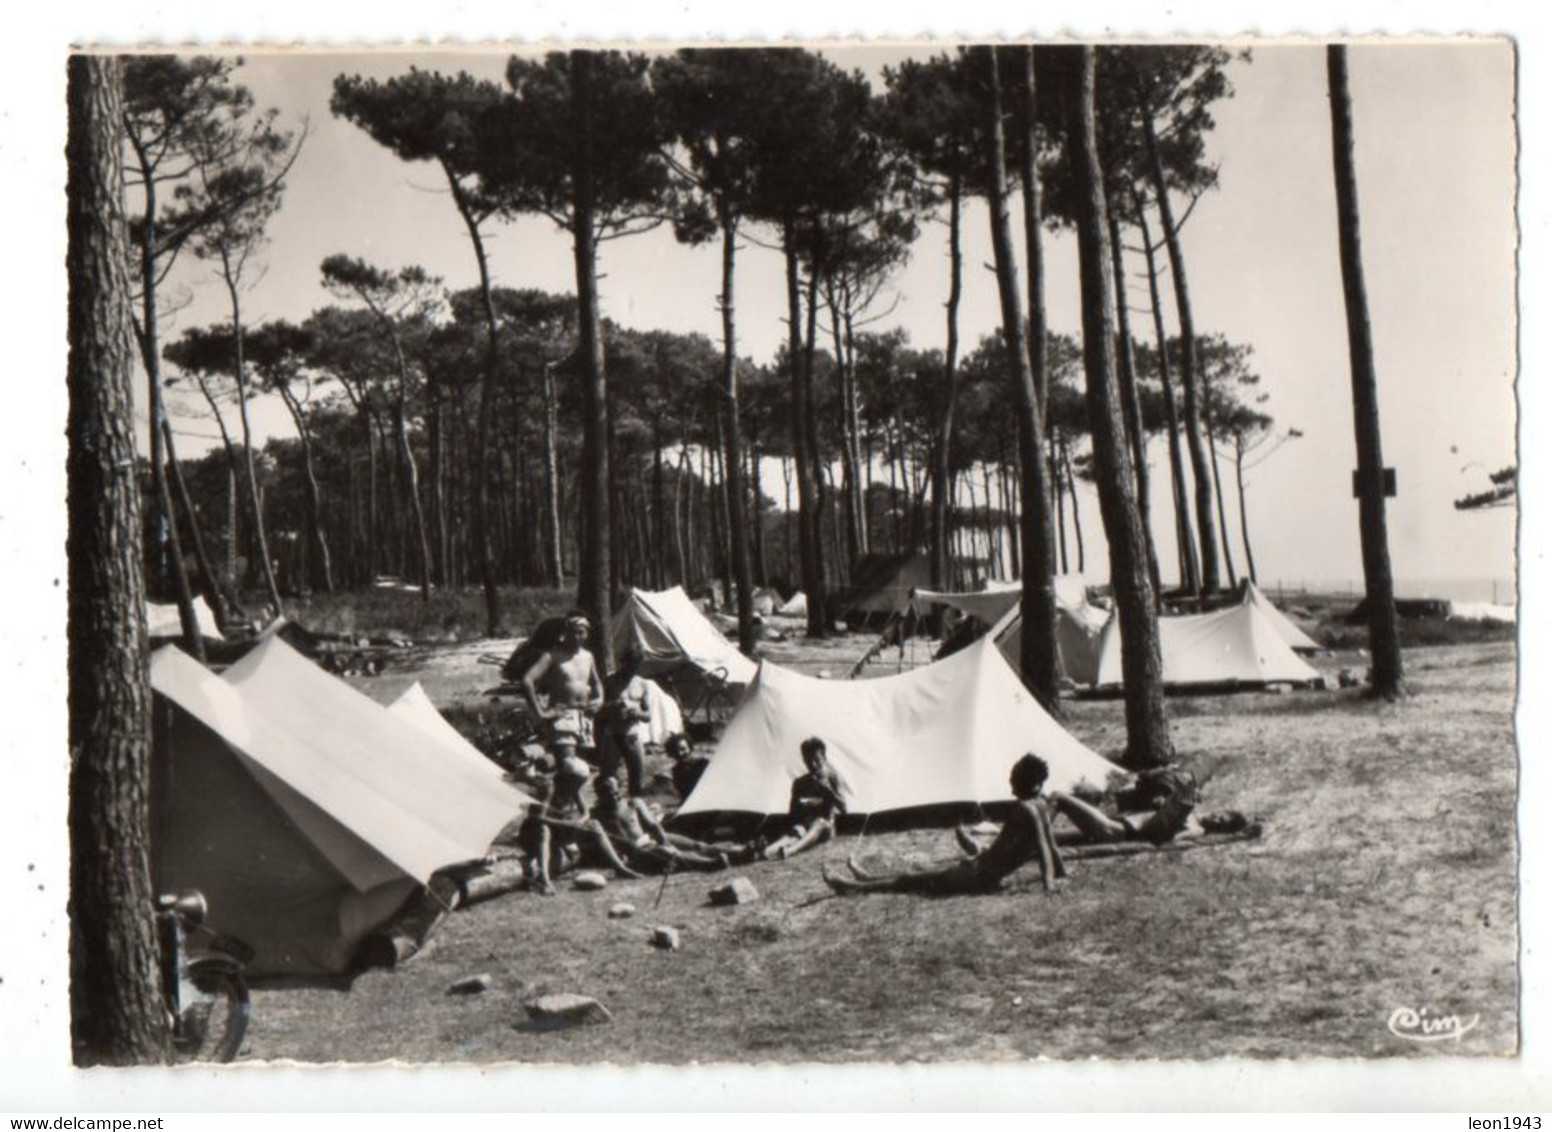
[(1424, 1025)]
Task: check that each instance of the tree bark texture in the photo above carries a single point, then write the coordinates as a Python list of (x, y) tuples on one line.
[(1189, 377), (117, 1015), (733, 459), (1038, 659), (1379, 586), (1142, 669)]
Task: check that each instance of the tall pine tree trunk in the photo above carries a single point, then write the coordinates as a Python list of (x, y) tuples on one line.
[(256, 507), (1038, 659), (593, 564), (732, 436), (1189, 375), (117, 1017), (942, 451), (322, 571), (159, 431), (1147, 730), (1185, 536), (1379, 587), (1244, 517), (481, 518), (810, 563), (1136, 435)]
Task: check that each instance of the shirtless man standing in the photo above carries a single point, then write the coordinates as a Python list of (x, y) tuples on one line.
[(564, 690)]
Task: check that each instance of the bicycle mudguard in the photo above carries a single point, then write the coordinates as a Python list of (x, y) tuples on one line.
[(215, 961)]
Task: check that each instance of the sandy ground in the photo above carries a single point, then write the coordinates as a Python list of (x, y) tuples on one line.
[(1386, 883)]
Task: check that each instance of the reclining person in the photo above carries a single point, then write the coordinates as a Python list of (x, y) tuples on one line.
[(1025, 836), (632, 832), (817, 801), (1157, 808)]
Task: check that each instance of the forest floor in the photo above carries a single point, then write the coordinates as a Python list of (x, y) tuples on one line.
[(1386, 882)]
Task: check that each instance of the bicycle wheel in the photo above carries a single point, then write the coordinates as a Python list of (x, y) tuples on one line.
[(215, 1015)]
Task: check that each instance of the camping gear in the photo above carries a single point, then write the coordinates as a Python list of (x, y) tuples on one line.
[(948, 732), (304, 810), (766, 601)]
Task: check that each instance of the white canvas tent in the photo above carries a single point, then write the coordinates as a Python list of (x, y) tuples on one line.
[(1078, 624), (948, 732), (672, 633), (415, 708), (1238, 646), (1296, 638), (766, 601), (1078, 632), (163, 620), (794, 606), (303, 810)]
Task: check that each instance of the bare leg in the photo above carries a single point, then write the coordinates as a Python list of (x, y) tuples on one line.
[(1093, 823), (540, 862), (634, 749), (598, 843), (816, 834)]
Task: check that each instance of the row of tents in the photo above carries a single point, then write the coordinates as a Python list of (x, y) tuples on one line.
[(308, 813), (1250, 643)]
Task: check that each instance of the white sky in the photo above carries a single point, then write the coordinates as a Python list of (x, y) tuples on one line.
[(1436, 151)]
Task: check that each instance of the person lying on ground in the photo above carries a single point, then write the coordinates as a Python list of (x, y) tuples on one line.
[(622, 722), (563, 690), (817, 801), (1158, 807), (634, 833), (1025, 836), (688, 767)]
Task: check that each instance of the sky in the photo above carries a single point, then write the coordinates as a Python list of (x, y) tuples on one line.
[(1436, 150)]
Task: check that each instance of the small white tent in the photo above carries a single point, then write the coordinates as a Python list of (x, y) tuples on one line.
[(948, 732), (163, 620), (1078, 624), (303, 810), (794, 606), (672, 633), (1233, 647), (1297, 639)]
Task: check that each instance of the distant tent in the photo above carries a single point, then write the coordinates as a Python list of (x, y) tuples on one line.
[(673, 635), (1078, 624), (945, 733), (1297, 639), (766, 601), (1238, 646), (882, 584), (1078, 632), (794, 606), (1482, 611), (304, 811), (163, 621), (992, 601)]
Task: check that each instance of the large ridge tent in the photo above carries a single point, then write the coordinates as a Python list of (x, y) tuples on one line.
[(948, 732), (1237, 646), (673, 634), (1297, 639), (414, 707), (304, 811)]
